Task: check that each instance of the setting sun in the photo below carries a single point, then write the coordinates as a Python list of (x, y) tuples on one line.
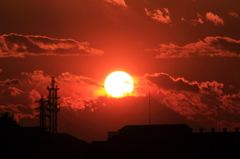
[(118, 84)]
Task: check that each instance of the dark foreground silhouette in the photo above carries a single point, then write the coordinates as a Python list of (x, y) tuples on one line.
[(131, 141), (34, 142)]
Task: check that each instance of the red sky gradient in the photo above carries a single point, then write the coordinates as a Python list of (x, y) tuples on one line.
[(185, 52)]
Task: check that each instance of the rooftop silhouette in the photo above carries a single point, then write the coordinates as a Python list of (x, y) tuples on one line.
[(130, 141), (35, 142)]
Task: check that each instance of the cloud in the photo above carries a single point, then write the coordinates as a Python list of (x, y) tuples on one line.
[(117, 2), (196, 21), (212, 87), (15, 91), (34, 95), (37, 77), (233, 14), (214, 18), (195, 101), (16, 45), (76, 91), (79, 102), (9, 82), (210, 47), (80, 92), (161, 16), (165, 81), (67, 77), (18, 110)]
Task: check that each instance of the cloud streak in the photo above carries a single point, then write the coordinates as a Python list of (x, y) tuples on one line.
[(209, 47), (117, 2), (9, 82), (165, 81), (15, 91), (233, 14), (16, 45)]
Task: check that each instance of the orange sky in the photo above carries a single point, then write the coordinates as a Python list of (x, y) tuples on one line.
[(185, 52)]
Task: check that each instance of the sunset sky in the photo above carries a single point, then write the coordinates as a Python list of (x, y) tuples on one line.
[(186, 53)]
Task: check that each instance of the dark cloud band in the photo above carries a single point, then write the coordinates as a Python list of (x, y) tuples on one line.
[(209, 47), (15, 45)]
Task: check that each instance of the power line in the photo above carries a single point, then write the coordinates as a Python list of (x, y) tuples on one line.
[(70, 124)]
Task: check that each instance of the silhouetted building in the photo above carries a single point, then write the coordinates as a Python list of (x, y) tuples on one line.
[(154, 130), (35, 142), (7, 121), (112, 133), (166, 141), (131, 141)]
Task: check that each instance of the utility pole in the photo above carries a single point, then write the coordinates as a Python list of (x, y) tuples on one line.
[(51, 106), (149, 105), (42, 112)]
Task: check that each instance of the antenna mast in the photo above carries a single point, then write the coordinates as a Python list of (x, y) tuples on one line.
[(218, 120), (149, 105), (42, 112), (53, 106), (49, 105)]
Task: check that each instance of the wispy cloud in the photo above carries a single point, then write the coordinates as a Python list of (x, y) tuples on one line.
[(214, 18), (160, 15), (167, 82), (9, 82), (16, 45), (233, 14), (117, 2), (210, 46), (196, 21), (15, 91)]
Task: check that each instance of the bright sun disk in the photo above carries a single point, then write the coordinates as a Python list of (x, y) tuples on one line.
[(118, 84)]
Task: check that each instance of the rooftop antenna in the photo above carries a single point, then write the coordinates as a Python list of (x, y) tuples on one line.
[(42, 112), (149, 106), (53, 106), (22, 116), (218, 120)]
